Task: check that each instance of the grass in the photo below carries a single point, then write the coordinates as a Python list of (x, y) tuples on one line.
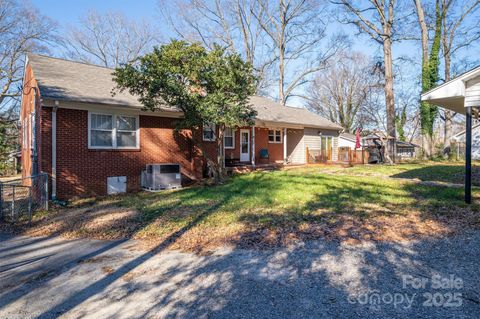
[(9, 178), (277, 208), (448, 172)]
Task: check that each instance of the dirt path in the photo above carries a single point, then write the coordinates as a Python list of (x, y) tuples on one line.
[(52, 277)]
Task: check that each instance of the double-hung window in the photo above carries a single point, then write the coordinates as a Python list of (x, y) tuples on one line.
[(209, 132), (275, 136), (126, 131), (113, 131), (229, 138), (25, 132)]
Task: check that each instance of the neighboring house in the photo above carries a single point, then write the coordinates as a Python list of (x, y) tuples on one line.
[(347, 140), (347, 153), (78, 133), (459, 138)]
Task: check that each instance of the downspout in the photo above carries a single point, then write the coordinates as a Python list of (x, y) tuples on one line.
[(285, 159), (54, 150)]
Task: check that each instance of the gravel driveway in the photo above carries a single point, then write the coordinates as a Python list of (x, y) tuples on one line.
[(51, 277)]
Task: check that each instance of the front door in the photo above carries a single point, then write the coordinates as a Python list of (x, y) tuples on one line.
[(244, 145)]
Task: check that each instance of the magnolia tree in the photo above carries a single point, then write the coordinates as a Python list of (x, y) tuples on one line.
[(208, 86)]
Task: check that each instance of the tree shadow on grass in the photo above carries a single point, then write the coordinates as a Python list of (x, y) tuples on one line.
[(315, 279), (296, 206), (441, 173), (99, 286), (308, 279)]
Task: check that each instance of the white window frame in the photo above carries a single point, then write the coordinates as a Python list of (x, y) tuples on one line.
[(25, 132), (114, 132), (275, 135), (213, 127), (32, 136), (233, 139)]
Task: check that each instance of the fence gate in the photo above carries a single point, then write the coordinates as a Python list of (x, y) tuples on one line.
[(22, 197)]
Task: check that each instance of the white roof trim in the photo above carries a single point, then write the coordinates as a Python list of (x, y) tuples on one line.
[(451, 94), (348, 138)]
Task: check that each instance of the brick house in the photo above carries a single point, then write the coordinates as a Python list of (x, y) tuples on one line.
[(77, 132)]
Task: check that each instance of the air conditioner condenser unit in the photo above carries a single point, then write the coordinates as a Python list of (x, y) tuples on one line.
[(163, 176)]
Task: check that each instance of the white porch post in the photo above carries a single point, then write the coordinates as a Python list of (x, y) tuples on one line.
[(253, 146), (285, 145)]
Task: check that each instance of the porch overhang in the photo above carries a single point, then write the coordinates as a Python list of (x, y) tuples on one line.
[(271, 124), (451, 95), (278, 124)]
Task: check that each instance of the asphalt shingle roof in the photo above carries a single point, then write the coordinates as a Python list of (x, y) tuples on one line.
[(65, 80), (348, 136)]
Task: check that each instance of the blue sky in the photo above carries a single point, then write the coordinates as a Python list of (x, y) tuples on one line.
[(69, 12)]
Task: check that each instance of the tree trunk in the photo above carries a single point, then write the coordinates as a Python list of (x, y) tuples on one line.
[(216, 168), (220, 167), (281, 76), (389, 98), (426, 145), (281, 53), (448, 114), (448, 132)]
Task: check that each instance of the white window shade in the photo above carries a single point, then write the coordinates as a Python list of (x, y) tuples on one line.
[(112, 131), (101, 133), (126, 131), (229, 138)]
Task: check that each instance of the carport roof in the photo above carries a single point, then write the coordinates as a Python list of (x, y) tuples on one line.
[(451, 94)]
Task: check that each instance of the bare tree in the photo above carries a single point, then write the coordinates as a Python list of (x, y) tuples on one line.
[(229, 23), (431, 45), (109, 39), (377, 20), (296, 29), (22, 29), (457, 35), (340, 92)]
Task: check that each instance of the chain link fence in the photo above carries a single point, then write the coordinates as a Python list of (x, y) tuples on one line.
[(20, 198)]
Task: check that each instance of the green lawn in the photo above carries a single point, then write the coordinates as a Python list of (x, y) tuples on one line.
[(272, 208), (429, 171)]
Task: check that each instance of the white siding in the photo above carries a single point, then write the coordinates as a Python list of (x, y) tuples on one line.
[(472, 92), (295, 146), (342, 142), (312, 140), (335, 149)]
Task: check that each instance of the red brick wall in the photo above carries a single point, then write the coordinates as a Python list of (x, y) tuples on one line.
[(84, 172), (275, 150), (46, 145), (30, 95)]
